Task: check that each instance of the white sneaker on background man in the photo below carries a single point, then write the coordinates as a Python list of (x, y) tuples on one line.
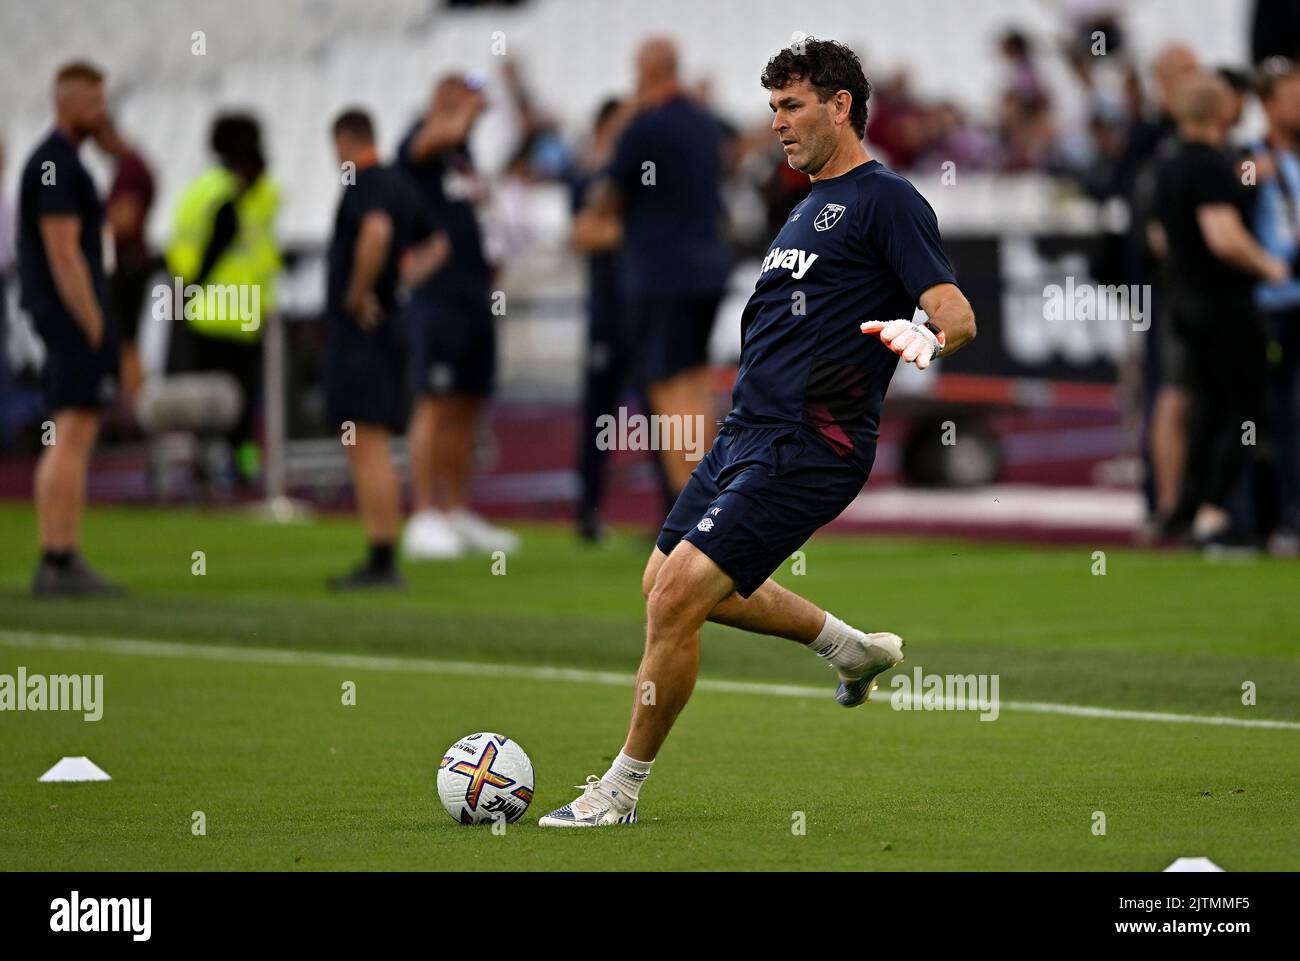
[(478, 535), (429, 536)]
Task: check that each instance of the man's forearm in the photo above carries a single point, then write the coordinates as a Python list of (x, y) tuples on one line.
[(367, 264), (441, 132), (76, 289), (1249, 257), (425, 260), (957, 321)]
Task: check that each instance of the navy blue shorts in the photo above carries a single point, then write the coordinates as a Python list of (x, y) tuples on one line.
[(671, 333), (365, 376), (75, 377), (756, 498), (453, 344)]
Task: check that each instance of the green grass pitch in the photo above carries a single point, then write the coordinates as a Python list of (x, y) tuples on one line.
[(288, 777)]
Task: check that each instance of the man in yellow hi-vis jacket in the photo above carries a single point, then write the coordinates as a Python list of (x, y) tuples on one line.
[(224, 262)]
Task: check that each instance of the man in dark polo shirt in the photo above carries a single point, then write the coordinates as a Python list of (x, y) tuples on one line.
[(382, 237), (1214, 263), (665, 185), (61, 270)]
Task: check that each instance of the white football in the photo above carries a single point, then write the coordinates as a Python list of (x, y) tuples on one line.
[(484, 778)]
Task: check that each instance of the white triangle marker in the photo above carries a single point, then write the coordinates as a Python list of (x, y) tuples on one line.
[(1186, 865), (75, 769)]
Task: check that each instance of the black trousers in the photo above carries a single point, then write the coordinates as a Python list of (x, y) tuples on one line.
[(1227, 375), (1283, 329)]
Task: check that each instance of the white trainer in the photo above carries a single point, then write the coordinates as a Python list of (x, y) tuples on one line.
[(430, 537), (478, 535), (597, 806), (882, 651)]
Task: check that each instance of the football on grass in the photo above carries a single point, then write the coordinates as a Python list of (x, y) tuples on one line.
[(485, 778)]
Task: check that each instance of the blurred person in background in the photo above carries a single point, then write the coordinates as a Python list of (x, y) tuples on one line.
[(381, 226), (126, 211), (541, 142), (1024, 82), (61, 269), (607, 366), (1025, 120), (1203, 211), (451, 331), (1275, 30), (1165, 397), (7, 430), (540, 155), (896, 126), (223, 238), (664, 186), (1240, 86), (1277, 226)]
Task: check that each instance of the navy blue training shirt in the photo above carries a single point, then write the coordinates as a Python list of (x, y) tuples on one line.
[(390, 191), (861, 246), (672, 228), (451, 189), (54, 182)]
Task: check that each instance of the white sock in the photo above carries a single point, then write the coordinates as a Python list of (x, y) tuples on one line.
[(627, 774), (840, 644)]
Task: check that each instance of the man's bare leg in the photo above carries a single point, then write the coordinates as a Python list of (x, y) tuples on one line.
[(431, 446), (61, 479), (375, 481), (685, 395), (772, 609), (689, 585), (60, 484), (858, 657), (457, 416), (420, 438), (683, 590), (1169, 446), (379, 502)]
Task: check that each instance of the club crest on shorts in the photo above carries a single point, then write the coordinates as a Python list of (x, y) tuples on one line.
[(828, 217)]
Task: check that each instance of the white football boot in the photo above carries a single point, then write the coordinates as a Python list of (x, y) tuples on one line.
[(882, 651), (430, 537), (478, 535), (597, 806)]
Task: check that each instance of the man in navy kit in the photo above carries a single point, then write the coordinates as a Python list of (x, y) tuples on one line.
[(382, 237), (664, 188), (453, 340), (828, 321), (61, 269)]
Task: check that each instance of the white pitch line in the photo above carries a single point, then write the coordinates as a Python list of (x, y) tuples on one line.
[(367, 662)]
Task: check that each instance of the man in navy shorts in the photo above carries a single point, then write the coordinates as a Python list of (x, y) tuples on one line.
[(452, 334), (830, 316), (61, 269), (383, 237)]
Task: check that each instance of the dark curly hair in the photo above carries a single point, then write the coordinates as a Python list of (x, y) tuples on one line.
[(829, 67)]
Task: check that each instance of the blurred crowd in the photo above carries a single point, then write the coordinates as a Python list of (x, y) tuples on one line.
[(1212, 226)]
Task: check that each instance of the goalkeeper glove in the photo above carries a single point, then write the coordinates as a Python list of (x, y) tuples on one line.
[(915, 343)]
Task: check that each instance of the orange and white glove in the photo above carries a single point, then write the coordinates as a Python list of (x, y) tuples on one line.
[(914, 343)]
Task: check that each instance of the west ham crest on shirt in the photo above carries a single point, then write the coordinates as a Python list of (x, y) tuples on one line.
[(828, 217)]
